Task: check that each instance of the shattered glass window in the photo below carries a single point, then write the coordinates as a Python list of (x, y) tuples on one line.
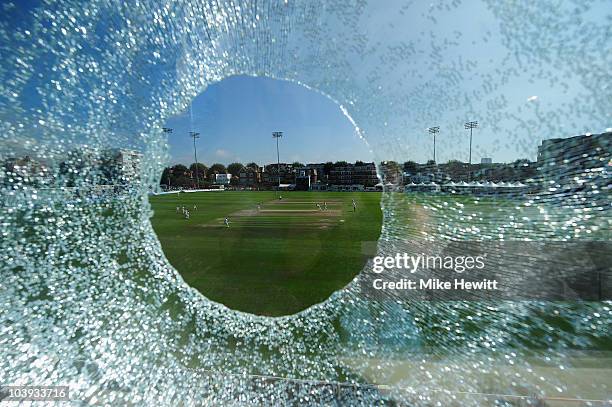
[(88, 299)]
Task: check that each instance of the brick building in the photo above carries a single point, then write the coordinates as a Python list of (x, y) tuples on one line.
[(576, 163), (250, 176), (354, 174)]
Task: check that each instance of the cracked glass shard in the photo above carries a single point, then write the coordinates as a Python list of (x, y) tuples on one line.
[(87, 298)]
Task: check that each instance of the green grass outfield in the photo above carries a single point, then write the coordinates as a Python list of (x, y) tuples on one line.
[(274, 261)]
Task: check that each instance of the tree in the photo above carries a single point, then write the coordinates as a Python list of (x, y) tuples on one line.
[(182, 181), (340, 164), (254, 166), (297, 164), (165, 176), (179, 176), (218, 168), (431, 162), (179, 169), (202, 170), (234, 169)]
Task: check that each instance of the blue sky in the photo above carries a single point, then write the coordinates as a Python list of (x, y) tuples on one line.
[(236, 118), (237, 115)]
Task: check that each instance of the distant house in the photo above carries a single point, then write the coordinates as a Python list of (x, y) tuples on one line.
[(123, 164), (25, 170), (320, 169), (519, 170), (363, 174), (575, 163), (319, 186), (250, 176), (270, 176), (305, 178), (419, 178), (223, 179), (347, 188)]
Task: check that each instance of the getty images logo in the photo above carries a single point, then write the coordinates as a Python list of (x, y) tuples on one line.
[(414, 263)]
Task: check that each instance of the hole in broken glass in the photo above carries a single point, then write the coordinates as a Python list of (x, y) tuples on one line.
[(264, 230)]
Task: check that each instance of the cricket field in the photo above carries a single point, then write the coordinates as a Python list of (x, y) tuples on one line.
[(278, 256)]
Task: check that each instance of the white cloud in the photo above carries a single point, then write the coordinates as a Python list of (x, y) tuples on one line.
[(532, 98), (222, 153)]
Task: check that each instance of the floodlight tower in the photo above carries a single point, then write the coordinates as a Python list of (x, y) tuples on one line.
[(277, 135), (195, 136), (434, 130), (168, 131), (471, 126)]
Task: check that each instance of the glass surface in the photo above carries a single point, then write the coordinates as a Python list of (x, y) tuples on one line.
[(89, 300)]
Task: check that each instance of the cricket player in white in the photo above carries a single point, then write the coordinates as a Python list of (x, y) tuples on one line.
[(227, 222)]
